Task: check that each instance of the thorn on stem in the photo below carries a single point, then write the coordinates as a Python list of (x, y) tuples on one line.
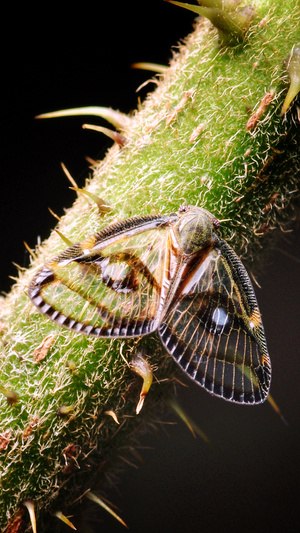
[(114, 135), (103, 206), (12, 397), (276, 408), (29, 504), (154, 67), (113, 415), (232, 25), (142, 367), (53, 214), (64, 238), (64, 519), (293, 69), (29, 250), (116, 118), (70, 178), (193, 427), (106, 507), (65, 410)]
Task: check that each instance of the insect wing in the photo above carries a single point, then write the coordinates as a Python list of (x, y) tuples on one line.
[(109, 290), (214, 331)]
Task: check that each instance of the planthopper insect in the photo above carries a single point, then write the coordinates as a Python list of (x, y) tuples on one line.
[(170, 274)]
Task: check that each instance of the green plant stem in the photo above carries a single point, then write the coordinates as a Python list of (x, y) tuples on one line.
[(189, 143)]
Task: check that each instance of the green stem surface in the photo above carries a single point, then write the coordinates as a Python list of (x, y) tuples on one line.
[(191, 142)]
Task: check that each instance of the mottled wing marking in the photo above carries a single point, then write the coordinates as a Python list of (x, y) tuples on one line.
[(210, 332), (111, 290), (171, 273)]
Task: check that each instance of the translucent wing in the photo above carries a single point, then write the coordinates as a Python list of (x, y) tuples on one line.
[(108, 285), (213, 329)]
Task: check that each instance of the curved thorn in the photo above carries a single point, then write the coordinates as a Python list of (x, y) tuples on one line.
[(70, 178), (11, 396), (106, 507), (64, 410), (53, 214), (29, 250), (103, 206), (193, 427), (30, 507), (64, 238), (232, 27), (64, 519), (142, 368), (154, 67), (114, 135), (293, 69), (276, 408), (113, 415), (116, 118)]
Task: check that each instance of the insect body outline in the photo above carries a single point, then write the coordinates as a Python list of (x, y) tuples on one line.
[(170, 274)]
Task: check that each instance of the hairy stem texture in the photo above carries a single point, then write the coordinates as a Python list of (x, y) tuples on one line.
[(212, 134)]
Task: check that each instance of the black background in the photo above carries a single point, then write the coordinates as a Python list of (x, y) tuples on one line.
[(247, 478)]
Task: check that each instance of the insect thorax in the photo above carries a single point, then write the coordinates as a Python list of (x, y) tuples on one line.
[(195, 230)]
